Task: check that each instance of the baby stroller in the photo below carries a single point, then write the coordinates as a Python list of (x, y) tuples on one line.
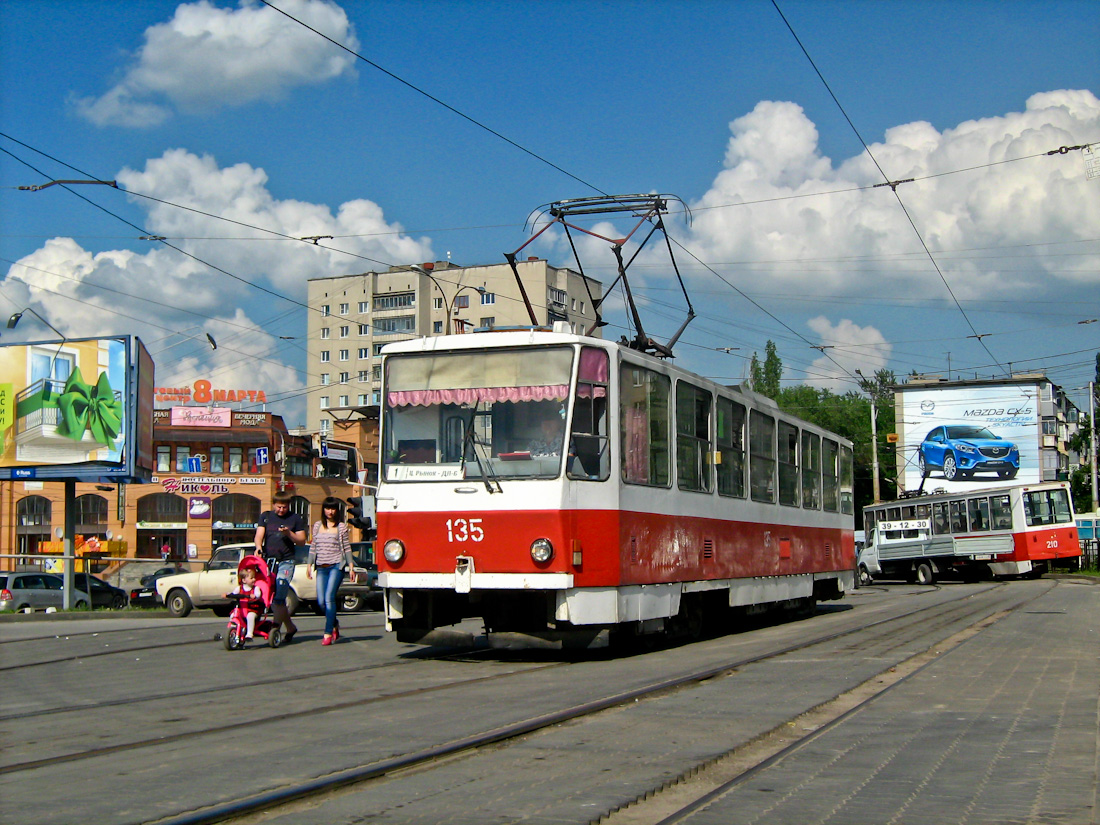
[(259, 600)]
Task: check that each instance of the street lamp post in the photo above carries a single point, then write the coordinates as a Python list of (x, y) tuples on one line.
[(874, 438)]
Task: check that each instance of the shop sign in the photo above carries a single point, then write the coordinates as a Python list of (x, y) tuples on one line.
[(250, 419), (196, 486), (161, 525), (201, 416), (199, 507), (203, 392)]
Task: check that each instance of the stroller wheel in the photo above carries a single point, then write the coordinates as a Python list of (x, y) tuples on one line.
[(275, 637), (231, 639)]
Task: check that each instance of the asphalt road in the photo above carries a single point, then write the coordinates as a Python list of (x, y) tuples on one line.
[(962, 703)]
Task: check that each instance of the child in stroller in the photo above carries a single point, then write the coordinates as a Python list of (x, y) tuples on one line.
[(251, 599)]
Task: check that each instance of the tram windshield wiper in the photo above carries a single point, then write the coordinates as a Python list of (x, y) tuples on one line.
[(470, 444)]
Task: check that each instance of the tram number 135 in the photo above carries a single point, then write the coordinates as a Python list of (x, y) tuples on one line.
[(464, 529)]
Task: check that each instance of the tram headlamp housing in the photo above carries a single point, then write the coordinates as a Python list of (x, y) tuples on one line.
[(542, 550), (394, 550)]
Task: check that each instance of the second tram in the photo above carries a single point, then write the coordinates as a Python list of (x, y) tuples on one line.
[(564, 488), (1019, 530)]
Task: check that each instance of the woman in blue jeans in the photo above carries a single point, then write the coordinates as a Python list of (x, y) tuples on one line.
[(329, 554)]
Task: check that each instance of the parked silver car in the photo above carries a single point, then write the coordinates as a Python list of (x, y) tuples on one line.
[(36, 591)]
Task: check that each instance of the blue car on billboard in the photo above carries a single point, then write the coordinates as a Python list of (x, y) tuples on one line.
[(964, 449)]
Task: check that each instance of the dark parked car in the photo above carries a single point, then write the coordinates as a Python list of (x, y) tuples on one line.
[(103, 594), (962, 450), (36, 591), (356, 595), (150, 579)]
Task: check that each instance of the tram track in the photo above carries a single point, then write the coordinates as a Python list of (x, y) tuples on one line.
[(268, 802)]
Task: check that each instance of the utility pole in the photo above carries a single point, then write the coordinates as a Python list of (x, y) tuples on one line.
[(869, 387), (1092, 444)]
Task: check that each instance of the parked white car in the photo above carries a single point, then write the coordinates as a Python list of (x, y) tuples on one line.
[(208, 587)]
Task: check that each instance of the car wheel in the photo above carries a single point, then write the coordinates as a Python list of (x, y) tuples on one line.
[(923, 465), (351, 602), (179, 603), (864, 576), (83, 605), (924, 573), (118, 602), (950, 470)]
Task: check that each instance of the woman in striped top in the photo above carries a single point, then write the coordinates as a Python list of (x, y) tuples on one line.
[(329, 554)]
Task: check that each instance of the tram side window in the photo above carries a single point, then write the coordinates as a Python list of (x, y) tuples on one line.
[(811, 471), (979, 513), (589, 442), (958, 517), (830, 452), (941, 519), (761, 456), (847, 481), (731, 448), (644, 426), (1000, 512), (1047, 507), (788, 464), (692, 437)]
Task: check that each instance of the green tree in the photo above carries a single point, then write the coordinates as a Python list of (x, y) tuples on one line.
[(765, 377)]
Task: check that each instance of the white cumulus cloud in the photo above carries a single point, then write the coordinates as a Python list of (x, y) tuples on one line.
[(206, 58)]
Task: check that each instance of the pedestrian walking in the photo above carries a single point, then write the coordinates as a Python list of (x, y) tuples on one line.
[(329, 554), (277, 534)]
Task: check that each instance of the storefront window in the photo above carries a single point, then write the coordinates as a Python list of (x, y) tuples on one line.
[(217, 459)]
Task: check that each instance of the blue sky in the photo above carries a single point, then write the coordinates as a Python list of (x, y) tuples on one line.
[(234, 110)]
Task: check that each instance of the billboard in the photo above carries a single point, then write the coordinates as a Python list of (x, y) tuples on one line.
[(76, 409), (961, 438)]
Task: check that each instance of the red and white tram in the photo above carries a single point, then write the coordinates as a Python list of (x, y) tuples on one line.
[(1017, 530), (560, 487)]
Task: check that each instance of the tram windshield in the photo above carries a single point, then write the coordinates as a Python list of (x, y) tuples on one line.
[(485, 414)]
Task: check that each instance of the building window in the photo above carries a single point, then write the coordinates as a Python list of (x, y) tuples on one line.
[(324, 379), (488, 298), (361, 400), (437, 303), (557, 296), (400, 300), (363, 352), (364, 329), (164, 458), (461, 301), (182, 454), (253, 464), (217, 459), (376, 373), (343, 355), (236, 457), (343, 378), (345, 331), (325, 356), (344, 309), (343, 400), (324, 333), (326, 311), (326, 425), (437, 327), (490, 321), (402, 323), (362, 307), (377, 350), (324, 402), (362, 375)]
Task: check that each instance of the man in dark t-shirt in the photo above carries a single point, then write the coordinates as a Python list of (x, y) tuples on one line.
[(277, 534)]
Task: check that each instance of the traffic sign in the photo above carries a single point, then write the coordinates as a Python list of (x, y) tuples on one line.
[(261, 456)]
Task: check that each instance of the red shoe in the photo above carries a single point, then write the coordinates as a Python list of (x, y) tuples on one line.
[(336, 633), (327, 640)]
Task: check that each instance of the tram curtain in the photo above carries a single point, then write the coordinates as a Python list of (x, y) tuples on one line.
[(530, 375)]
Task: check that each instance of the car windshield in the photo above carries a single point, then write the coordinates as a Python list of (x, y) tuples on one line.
[(969, 432)]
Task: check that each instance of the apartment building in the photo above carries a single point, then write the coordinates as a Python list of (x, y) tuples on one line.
[(359, 314)]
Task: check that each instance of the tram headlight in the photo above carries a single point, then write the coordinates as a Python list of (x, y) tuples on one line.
[(394, 551), (542, 550)]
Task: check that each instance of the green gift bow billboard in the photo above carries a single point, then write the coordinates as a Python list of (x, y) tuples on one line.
[(76, 409)]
